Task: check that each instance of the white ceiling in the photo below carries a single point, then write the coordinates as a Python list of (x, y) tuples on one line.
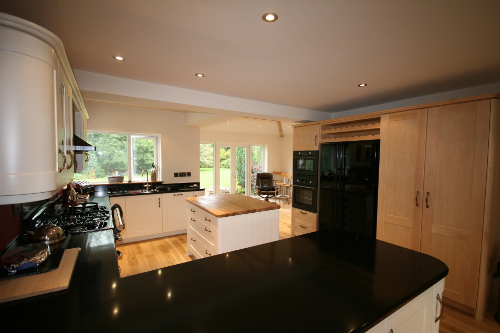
[(313, 57)]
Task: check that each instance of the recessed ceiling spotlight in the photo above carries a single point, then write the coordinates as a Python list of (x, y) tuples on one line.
[(199, 75), (362, 84), (227, 122), (270, 17), (119, 58)]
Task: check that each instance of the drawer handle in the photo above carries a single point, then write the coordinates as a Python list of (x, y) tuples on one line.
[(193, 239), (178, 195), (208, 220), (72, 159), (391, 331), (301, 212), (87, 158), (192, 211), (416, 198), (300, 225), (206, 252), (440, 301), (194, 220), (427, 200), (159, 202), (208, 229)]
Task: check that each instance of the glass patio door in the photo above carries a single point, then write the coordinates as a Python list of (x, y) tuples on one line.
[(232, 171)]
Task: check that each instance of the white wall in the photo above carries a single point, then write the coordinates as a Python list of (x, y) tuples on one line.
[(180, 150)]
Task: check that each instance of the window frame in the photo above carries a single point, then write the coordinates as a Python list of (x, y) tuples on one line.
[(130, 162)]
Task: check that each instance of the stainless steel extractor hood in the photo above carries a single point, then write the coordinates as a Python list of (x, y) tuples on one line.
[(81, 145)]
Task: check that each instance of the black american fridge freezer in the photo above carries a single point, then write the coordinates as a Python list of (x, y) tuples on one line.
[(349, 186)]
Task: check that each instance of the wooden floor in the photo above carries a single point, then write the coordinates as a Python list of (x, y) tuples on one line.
[(162, 252)]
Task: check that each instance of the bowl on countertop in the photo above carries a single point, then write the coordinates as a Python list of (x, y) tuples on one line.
[(115, 179)]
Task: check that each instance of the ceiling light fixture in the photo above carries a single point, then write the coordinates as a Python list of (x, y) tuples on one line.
[(119, 58), (270, 17), (199, 75), (362, 84)]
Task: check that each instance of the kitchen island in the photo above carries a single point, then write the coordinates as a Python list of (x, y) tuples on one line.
[(222, 223), (322, 281)]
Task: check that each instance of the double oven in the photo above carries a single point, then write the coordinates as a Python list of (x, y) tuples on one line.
[(305, 180)]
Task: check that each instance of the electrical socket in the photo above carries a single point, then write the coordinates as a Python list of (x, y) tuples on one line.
[(182, 174), (176, 174), (188, 174)]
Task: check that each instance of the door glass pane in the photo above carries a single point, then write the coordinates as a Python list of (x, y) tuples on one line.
[(241, 169), (143, 155), (109, 159), (224, 170), (207, 167), (257, 160)]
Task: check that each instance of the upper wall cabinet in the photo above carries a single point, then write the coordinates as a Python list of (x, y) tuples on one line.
[(306, 137), (438, 192), (37, 91)]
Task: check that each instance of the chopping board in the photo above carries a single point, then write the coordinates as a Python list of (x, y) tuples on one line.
[(39, 284)]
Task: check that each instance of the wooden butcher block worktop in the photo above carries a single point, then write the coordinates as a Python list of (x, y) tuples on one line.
[(231, 204)]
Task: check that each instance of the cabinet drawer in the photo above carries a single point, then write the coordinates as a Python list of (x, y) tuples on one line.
[(302, 228), (204, 230), (201, 245), (305, 218), (203, 216)]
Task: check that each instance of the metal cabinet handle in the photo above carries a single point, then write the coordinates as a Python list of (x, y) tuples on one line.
[(193, 239), (192, 211), (194, 220), (440, 301), (178, 195), (416, 198), (87, 157), (316, 140), (70, 153), (391, 331), (208, 229), (300, 225), (206, 252), (208, 220), (301, 212), (427, 199), (159, 202), (61, 168)]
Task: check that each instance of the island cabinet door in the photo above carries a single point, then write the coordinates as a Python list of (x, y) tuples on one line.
[(143, 215)]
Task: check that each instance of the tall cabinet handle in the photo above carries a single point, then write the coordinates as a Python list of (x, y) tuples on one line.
[(427, 199), (72, 159), (439, 302), (316, 140), (61, 168), (159, 202), (416, 198)]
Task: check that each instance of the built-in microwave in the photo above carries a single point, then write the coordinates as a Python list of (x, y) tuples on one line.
[(305, 163)]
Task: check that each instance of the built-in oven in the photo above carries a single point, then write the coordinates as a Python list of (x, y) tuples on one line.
[(305, 193), (305, 163)]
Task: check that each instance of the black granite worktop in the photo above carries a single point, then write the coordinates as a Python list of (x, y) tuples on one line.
[(318, 282)]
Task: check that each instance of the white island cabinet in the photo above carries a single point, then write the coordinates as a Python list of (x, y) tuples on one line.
[(229, 222), (420, 315)]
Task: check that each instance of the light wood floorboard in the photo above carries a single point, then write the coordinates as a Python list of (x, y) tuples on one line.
[(162, 252)]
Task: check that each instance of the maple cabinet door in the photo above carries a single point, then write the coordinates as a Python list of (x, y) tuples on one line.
[(402, 153), (455, 184)]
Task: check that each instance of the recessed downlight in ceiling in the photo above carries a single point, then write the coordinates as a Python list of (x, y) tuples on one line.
[(199, 75), (270, 17), (119, 58), (362, 84)]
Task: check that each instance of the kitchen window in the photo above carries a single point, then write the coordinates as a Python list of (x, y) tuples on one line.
[(120, 154)]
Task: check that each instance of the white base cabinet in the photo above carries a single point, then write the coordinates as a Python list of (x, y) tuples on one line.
[(153, 215), (420, 315), (209, 235)]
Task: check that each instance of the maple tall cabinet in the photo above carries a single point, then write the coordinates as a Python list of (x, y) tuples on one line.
[(438, 192)]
